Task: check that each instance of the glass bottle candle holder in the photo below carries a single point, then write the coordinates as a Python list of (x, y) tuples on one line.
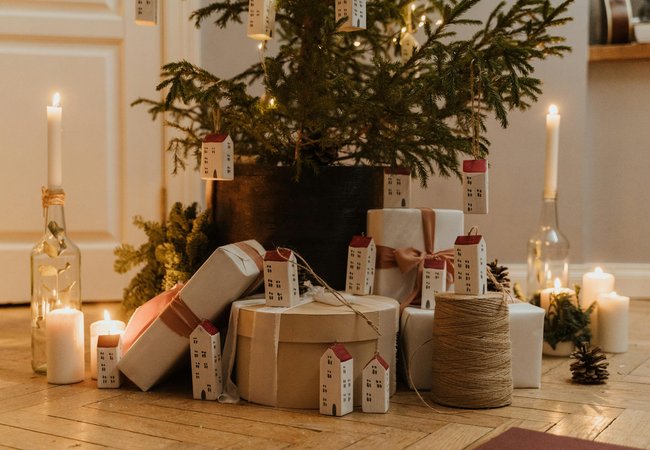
[(548, 251), (55, 274)]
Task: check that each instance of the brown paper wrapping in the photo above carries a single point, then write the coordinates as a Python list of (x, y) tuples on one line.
[(304, 333)]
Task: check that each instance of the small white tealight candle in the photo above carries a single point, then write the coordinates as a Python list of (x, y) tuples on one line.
[(545, 295), (613, 322), (64, 336), (100, 328)]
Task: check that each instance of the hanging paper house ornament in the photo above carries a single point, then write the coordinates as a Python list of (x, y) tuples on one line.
[(217, 157), (146, 12), (434, 281), (205, 356), (355, 13), (475, 186), (362, 254), (109, 352), (281, 278), (261, 19), (375, 386), (336, 371), (471, 266), (408, 44), (397, 188)]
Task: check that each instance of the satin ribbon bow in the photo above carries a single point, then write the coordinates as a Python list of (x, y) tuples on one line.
[(409, 258)]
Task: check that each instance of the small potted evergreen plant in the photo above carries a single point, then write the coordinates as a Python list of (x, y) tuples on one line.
[(335, 103)]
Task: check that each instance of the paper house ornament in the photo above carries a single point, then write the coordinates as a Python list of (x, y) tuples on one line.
[(217, 157), (281, 278), (475, 186), (471, 267), (261, 19), (408, 44), (375, 387), (109, 352), (362, 254), (434, 281), (397, 188), (146, 12), (355, 13), (205, 356), (336, 371)]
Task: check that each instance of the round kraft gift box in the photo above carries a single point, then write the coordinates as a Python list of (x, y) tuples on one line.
[(472, 357), (279, 349)]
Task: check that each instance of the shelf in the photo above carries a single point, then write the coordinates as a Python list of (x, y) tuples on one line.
[(619, 52)]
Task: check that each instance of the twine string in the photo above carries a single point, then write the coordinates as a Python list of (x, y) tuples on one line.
[(472, 361), (51, 197), (303, 264)]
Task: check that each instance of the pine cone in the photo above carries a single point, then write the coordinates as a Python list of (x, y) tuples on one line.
[(591, 365), (500, 273)]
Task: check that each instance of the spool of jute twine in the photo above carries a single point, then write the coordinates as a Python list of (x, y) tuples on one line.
[(472, 357)]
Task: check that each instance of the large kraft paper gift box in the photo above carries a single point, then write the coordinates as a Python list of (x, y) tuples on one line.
[(404, 237), (278, 350), (157, 335), (526, 334)]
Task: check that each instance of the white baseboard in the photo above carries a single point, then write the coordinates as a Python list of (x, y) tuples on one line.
[(632, 279)]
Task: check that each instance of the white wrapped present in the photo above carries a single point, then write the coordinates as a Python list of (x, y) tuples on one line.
[(404, 238), (157, 335), (526, 334)]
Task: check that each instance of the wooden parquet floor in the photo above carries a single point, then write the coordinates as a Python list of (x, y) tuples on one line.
[(36, 415)]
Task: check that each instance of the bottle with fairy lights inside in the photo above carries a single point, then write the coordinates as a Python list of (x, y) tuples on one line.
[(55, 259)]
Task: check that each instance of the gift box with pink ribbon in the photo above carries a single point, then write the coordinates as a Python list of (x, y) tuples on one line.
[(405, 237), (157, 335)]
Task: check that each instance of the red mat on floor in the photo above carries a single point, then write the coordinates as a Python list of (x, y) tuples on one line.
[(518, 439)]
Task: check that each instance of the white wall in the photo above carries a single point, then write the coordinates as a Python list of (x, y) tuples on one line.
[(601, 166)]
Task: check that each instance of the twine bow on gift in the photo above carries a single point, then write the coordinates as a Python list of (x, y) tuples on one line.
[(410, 258)]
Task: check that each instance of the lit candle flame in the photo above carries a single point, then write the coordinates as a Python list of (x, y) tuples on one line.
[(598, 270), (56, 100), (557, 283), (412, 6), (552, 110), (107, 316)]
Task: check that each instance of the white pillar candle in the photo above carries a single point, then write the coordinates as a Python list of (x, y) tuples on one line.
[(594, 283), (54, 152), (545, 295), (100, 328), (613, 322), (64, 334), (552, 149)]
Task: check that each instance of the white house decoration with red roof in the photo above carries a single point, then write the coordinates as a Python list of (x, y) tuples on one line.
[(471, 266), (281, 278), (362, 254), (397, 187), (261, 19), (376, 386), (408, 45), (205, 357), (475, 186), (434, 281), (109, 352), (336, 372), (217, 156), (355, 11)]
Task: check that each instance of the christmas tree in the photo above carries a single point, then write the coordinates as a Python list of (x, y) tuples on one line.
[(335, 97)]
